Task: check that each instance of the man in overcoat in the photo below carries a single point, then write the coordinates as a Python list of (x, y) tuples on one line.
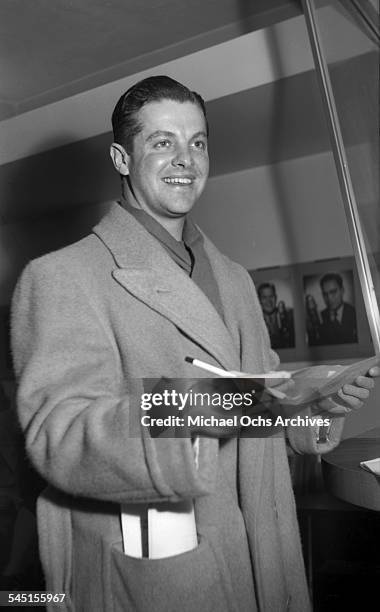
[(130, 302)]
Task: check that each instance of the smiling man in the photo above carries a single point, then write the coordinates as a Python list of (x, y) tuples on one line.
[(92, 323), (167, 162)]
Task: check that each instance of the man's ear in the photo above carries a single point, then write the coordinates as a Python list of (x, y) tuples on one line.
[(120, 158)]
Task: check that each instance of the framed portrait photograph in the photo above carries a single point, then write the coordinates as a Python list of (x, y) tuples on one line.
[(275, 290), (330, 311), (334, 317)]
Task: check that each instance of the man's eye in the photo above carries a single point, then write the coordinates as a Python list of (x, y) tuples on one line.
[(162, 144), (200, 144)]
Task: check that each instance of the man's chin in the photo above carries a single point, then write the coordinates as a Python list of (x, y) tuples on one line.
[(180, 209)]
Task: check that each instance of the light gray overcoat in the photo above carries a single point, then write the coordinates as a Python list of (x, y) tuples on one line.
[(88, 322)]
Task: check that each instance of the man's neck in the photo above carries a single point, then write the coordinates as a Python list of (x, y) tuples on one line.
[(173, 225)]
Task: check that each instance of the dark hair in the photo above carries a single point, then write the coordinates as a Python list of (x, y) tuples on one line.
[(331, 276), (125, 123), (266, 286)]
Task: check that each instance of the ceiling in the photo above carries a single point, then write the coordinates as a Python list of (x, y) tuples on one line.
[(55, 49), (52, 49)]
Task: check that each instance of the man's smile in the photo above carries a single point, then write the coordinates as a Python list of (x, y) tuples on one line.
[(178, 180)]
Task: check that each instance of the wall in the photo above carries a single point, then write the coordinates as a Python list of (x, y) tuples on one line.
[(281, 214), (277, 215)]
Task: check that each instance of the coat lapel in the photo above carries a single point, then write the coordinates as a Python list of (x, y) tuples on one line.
[(146, 271)]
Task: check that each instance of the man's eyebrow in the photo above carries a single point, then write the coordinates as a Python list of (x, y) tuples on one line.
[(201, 133), (163, 133), (158, 133)]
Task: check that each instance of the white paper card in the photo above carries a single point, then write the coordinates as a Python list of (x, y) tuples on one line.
[(373, 465), (171, 529)]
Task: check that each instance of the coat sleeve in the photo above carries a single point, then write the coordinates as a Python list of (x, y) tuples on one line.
[(306, 438), (76, 419)]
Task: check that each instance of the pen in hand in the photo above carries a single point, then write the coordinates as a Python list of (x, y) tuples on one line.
[(234, 373)]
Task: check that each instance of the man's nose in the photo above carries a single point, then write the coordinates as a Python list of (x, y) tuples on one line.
[(182, 157)]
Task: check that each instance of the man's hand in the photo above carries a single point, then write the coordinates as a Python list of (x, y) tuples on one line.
[(349, 397)]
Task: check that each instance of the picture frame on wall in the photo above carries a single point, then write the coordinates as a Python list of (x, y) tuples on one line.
[(333, 285), (330, 308), (325, 300), (276, 292)]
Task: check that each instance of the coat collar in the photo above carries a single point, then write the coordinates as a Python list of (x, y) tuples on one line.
[(147, 271)]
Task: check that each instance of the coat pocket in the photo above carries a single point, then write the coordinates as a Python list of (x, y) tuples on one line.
[(188, 582)]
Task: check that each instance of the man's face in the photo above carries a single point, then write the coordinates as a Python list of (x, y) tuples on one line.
[(268, 300), (168, 166), (332, 294)]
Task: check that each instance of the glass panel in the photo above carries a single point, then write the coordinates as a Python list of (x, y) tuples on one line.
[(349, 45)]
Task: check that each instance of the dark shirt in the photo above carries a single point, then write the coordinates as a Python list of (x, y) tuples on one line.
[(189, 253)]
